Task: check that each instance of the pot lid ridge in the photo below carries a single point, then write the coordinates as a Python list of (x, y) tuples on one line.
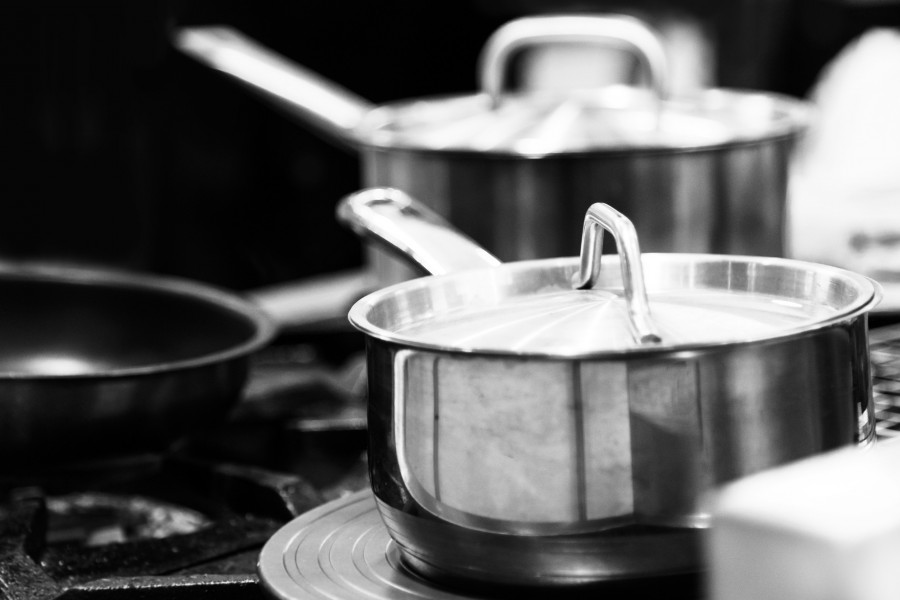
[(532, 309), (612, 119)]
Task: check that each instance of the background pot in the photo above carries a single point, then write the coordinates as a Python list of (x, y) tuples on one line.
[(563, 453), (516, 172)]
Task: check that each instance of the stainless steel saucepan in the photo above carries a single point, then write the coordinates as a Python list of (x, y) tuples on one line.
[(516, 169), (560, 421)]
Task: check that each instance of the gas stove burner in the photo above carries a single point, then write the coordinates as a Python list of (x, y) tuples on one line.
[(342, 551)]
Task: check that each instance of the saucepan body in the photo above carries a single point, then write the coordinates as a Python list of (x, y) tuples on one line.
[(522, 440)]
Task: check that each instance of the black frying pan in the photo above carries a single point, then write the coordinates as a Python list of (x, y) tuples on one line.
[(98, 363)]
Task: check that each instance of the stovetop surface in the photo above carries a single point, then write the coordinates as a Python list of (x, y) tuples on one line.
[(281, 476)]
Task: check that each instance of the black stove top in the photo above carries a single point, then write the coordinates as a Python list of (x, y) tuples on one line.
[(194, 521)]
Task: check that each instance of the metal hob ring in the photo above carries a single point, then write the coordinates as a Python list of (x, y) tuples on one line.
[(338, 551), (342, 551)]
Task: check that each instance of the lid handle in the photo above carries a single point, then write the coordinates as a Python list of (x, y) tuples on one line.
[(602, 216), (616, 30)]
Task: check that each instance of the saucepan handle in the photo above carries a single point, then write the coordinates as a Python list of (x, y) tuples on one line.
[(406, 226), (602, 216), (604, 30)]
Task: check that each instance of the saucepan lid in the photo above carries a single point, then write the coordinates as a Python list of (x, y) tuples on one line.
[(588, 305)]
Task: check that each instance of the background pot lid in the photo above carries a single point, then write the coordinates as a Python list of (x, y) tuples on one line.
[(613, 118), (617, 118)]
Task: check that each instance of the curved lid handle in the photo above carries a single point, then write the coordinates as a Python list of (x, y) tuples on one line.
[(615, 30), (602, 216), (408, 227)]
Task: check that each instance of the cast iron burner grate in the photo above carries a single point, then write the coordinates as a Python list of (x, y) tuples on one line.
[(39, 560), (884, 350)]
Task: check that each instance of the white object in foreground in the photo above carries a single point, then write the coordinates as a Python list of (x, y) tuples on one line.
[(824, 528)]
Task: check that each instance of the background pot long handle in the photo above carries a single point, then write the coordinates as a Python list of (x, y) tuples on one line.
[(409, 228), (304, 95)]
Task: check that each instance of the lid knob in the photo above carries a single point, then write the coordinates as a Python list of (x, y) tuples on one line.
[(602, 216)]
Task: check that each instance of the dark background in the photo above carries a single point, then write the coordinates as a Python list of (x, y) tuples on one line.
[(118, 150)]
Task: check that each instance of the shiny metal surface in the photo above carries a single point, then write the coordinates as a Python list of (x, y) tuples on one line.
[(502, 448), (709, 201), (530, 309), (506, 450), (707, 173), (332, 110), (617, 31), (342, 551), (436, 247), (494, 122), (599, 216), (66, 322), (100, 363), (611, 120), (533, 308)]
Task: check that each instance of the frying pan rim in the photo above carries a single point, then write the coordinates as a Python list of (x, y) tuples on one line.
[(61, 272)]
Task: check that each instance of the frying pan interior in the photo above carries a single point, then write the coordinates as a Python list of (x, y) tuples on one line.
[(61, 327)]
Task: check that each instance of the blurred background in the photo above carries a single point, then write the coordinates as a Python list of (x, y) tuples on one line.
[(117, 149)]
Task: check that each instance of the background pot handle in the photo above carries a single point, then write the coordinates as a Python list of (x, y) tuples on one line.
[(616, 30), (602, 216), (409, 228), (300, 93)]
